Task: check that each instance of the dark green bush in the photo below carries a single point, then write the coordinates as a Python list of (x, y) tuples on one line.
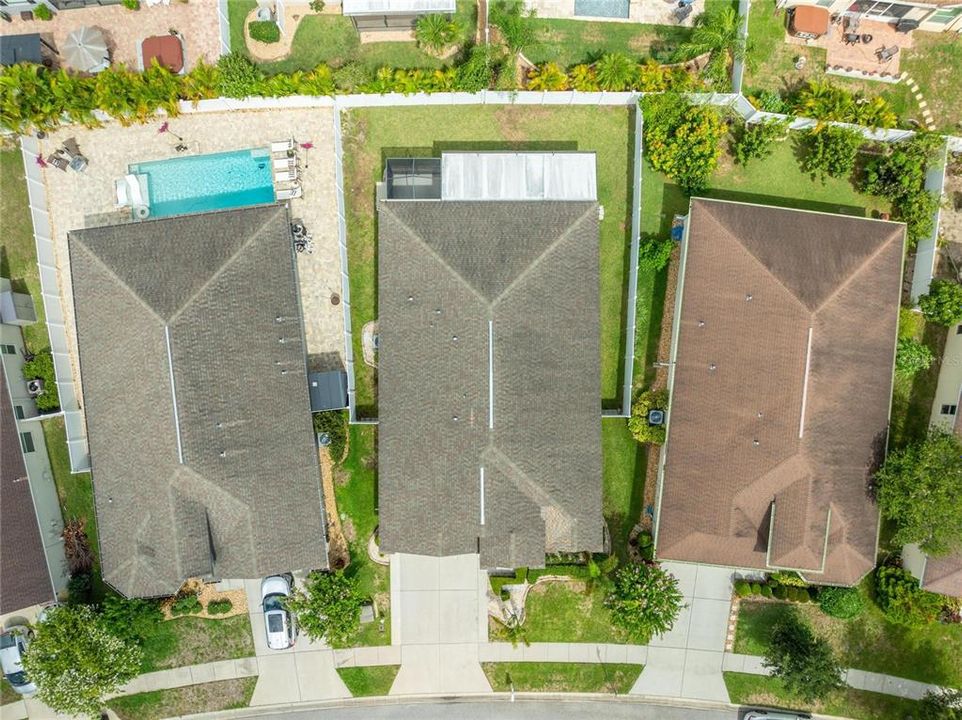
[(186, 605), (780, 592), (219, 607), (830, 151), (638, 422), (42, 367), (237, 76), (654, 252), (766, 591), (135, 620), (753, 141), (265, 31), (756, 588), (42, 12), (742, 588), (334, 423), (902, 600), (844, 603), (79, 589), (477, 72)]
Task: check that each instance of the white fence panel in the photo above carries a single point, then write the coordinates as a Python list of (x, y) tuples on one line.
[(927, 252), (224, 23)]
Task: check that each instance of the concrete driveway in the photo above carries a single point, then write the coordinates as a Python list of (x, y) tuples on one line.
[(440, 615), (687, 661)]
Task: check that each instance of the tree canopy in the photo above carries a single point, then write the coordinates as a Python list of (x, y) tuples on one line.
[(804, 662), (920, 489), (644, 600), (76, 661), (942, 304), (329, 607)]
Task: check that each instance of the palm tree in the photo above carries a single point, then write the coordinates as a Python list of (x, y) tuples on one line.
[(547, 77), (717, 32), (512, 21), (435, 32), (615, 72)]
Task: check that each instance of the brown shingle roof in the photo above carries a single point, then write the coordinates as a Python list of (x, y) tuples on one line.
[(24, 577), (943, 575), (782, 381)]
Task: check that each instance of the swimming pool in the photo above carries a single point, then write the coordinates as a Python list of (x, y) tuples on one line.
[(200, 183), (602, 8)]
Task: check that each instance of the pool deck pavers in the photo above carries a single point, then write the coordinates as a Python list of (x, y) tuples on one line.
[(77, 200)]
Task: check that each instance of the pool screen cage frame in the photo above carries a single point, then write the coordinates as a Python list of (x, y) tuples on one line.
[(413, 178)]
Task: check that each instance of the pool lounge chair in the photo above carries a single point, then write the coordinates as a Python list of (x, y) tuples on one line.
[(132, 191), (289, 193), (285, 163), (58, 161), (283, 146), (286, 175)]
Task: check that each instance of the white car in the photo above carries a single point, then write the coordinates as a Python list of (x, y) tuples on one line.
[(13, 645), (278, 621)]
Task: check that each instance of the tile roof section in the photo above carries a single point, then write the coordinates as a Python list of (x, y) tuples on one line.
[(445, 270), (196, 400), (781, 389), (24, 576)]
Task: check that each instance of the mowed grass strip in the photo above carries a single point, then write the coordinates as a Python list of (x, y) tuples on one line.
[(369, 681), (562, 677), (206, 697)]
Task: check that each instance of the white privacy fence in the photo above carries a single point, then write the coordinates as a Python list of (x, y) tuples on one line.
[(223, 20), (70, 401)]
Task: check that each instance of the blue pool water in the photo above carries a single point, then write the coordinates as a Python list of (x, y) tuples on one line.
[(601, 8), (201, 183)]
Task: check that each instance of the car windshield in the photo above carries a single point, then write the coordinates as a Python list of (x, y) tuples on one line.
[(7, 640), (275, 622), (18, 678), (274, 602)]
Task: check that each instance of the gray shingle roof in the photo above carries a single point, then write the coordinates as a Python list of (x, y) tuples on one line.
[(781, 389), (24, 577), (447, 269), (208, 301)]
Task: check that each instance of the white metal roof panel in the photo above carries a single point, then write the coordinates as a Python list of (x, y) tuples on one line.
[(397, 7), (518, 176)]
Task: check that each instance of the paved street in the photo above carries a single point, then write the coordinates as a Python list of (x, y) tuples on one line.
[(501, 708)]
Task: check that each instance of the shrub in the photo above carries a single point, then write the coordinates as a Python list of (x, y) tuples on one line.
[(41, 367), (512, 21), (830, 151), (644, 600), (350, 76), (79, 589), (477, 72), (681, 139), (615, 72), (754, 141), (902, 600), (912, 357), (547, 77), (822, 100), (941, 704), (436, 31), (766, 591), (844, 603), (942, 304), (756, 588), (780, 592), (131, 4), (238, 77), (219, 607), (42, 12), (133, 620), (317, 5), (329, 607), (742, 588), (187, 604), (638, 422), (654, 252), (333, 423), (264, 31), (770, 101), (76, 547), (787, 577), (804, 662)]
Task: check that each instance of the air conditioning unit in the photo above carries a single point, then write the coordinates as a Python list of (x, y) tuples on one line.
[(35, 387), (656, 417)]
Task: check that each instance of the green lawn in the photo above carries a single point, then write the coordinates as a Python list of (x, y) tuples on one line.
[(194, 640), (369, 681), (18, 251), (758, 690), (570, 42), (355, 488), (913, 396), (7, 694), (868, 642), (562, 677), (623, 466), (555, 612), (206, 697), (371, 135), (935, 63), (332, 40)]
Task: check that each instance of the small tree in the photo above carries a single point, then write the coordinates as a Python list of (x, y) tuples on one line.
[(329, 607), (654, 252), (512, 21), (638, 424), (435, 31), (831, 151), (902, 600), (912, 357), (942, 304), (944, 704), (645, 600), (76, 662), (716, 31), (920, 489), (754, 141), (841, 602), (681, 139), (804, 662)]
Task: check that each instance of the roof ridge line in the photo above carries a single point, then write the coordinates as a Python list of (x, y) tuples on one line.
[(119, 280), (437, 256), (224, 265), (857, 272), (520, 479), (537, 261)]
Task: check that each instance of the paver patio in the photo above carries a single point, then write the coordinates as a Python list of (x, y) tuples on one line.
[(124, 30)]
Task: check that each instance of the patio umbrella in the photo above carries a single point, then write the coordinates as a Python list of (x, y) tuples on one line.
[(86, 50)]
